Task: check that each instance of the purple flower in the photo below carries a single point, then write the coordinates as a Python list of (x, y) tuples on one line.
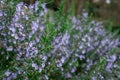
[(7, 73), (10, 48)]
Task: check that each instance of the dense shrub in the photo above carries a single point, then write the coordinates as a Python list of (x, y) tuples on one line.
[(36, 46)]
